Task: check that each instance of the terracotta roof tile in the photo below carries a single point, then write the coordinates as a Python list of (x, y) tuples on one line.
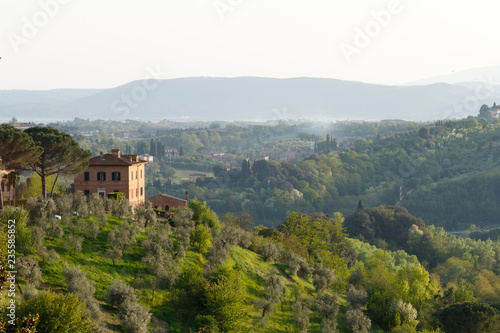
[(168, 196), (111, 159)]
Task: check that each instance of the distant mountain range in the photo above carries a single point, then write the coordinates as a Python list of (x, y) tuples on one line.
[(249, 98), (489, 74)]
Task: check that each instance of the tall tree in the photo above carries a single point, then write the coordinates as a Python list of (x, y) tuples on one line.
[(245, 169), (360, 205), (17, 149), (61, 155), (334, 144)]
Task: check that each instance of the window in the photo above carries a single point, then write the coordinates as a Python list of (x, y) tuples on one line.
[(131, 194), (141, 192), (116, 191), (87, 192), (101, 176), (141, 173), (136, 192), (132, 175), (115, 176), (87, 176)]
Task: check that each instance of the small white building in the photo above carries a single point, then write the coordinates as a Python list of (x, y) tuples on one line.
[(147, 157)]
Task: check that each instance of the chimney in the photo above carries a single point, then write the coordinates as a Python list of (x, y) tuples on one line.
[(187, 196), (116, 152), (102, 153)]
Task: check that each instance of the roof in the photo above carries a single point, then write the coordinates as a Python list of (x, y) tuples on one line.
[(113, 160), (168, 196)]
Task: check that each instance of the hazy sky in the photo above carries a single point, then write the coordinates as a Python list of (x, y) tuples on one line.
[(49, 44)]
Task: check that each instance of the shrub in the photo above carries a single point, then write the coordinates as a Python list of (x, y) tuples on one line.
[(323, 277), (327, 305), (304, 270), (119, 292), (159, 212), (78, 284), (207, 324), (24, 239), (270, 251), (135, 318), (357, 296), (58, 313), (29, 270), (301, 314), (357, 321)]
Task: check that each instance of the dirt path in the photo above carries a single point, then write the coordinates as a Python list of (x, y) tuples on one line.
[(288, 277), (112, 323), (159, 326)]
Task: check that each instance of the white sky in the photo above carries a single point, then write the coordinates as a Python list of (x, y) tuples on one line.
[(105, 43)]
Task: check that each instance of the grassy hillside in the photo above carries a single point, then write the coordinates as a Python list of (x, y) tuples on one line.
[(172, 305), (184, 174), (196, 271)]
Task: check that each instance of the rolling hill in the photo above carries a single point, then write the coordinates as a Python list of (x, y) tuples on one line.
[(245, 98)]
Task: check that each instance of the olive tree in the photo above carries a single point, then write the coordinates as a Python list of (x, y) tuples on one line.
[(273, 290), (323, 277), (78, 284), (145, 215), (301, 313), (358, 321), (29, 270), (326, 305), (135, 318)]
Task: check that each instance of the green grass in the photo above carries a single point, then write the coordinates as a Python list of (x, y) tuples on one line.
[(184, 174)]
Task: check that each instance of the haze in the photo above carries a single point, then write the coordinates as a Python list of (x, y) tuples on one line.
[(101, 44)]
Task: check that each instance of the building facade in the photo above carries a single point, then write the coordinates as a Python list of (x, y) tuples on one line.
[(166, 202), (171, 152), (195, 176), (114, 172), (7, 188), (147, 158)]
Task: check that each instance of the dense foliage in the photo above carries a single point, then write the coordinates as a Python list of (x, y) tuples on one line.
[(264, 245), (443, 172), (293, 276)]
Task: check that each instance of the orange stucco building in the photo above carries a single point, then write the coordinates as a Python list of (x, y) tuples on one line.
[(114, 172)]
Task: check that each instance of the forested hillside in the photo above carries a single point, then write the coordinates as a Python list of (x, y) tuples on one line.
[(379, 270), (445, 171), (317, 243)]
